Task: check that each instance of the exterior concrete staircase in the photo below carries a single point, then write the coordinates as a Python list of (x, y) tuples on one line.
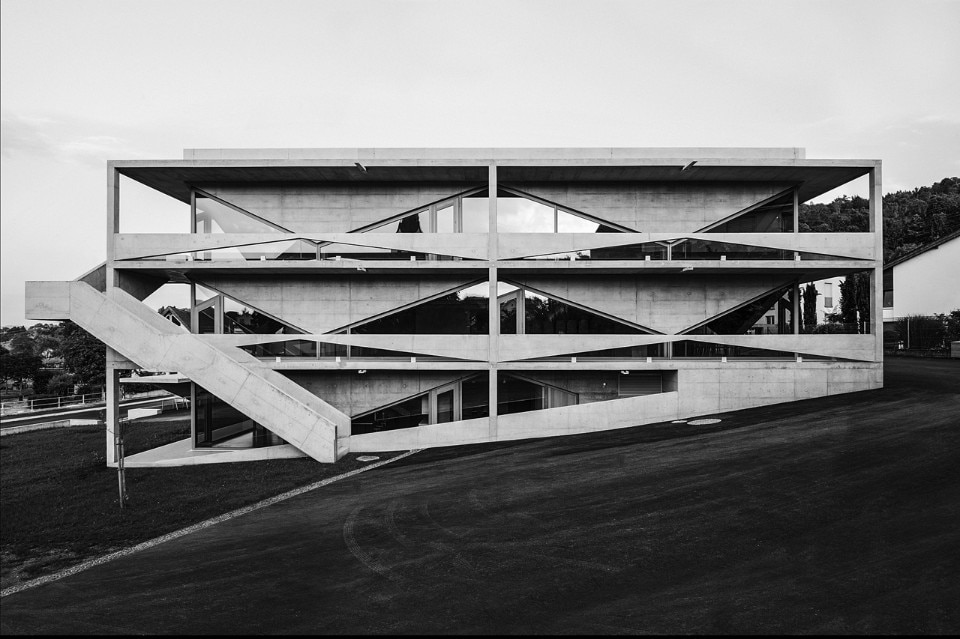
[(144, 337)]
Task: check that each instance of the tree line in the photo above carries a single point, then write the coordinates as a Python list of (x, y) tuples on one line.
[(74, 358), (911, 219)]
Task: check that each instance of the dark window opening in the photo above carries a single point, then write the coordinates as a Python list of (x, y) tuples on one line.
[(462, 312), (775, 216)]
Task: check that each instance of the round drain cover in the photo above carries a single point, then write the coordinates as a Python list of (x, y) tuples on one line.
[(703, 422), (367, 458)]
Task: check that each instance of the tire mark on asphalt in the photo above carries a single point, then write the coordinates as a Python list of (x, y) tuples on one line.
[(455, 554), (391, 524), (425, 511), (474, 498), (390, 520), (349, 537)]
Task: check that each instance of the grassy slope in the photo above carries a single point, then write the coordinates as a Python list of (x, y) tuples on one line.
[(60, 503)]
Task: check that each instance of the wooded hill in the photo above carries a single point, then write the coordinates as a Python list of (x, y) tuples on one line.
[(911, 219)]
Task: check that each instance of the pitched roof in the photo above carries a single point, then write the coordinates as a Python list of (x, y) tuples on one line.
[(923, 249)]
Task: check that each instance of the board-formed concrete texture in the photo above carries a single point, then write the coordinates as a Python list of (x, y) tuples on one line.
[(389, 302)]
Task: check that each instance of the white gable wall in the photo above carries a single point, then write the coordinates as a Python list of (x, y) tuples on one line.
[(929, 283)]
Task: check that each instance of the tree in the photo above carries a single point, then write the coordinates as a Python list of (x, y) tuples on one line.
[(19, 366), (911, 219), (7, 332), (848, 306), (41, 381), (855, 301), (61, 384), (46, 338), (84, 355), (21, 344), (809, 307)]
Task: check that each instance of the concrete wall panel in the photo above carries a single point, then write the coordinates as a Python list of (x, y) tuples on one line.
[(655, 207), (319, 305), (353, 393), (331, 208), (664, 303)]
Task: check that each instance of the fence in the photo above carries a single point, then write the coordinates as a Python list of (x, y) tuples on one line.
[(829, 328), (11, 407), (930, 334)]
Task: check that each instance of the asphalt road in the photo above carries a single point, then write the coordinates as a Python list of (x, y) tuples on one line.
[(835, 515), (76, 412)]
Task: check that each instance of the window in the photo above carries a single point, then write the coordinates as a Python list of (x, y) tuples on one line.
[(518, 212), (466, 398), (462, 312)]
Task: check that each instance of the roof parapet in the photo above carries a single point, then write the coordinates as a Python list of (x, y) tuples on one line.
[(488, 154)]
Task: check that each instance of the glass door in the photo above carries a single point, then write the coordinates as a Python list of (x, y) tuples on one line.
[(445, 404)]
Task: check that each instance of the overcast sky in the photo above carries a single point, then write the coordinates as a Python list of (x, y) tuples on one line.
[(87, 81)]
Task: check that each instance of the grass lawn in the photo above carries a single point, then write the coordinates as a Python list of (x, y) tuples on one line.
[(60, 503)]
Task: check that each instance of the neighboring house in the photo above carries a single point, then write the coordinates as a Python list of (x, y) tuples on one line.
[(372, 300), (924, 281), (179, 316), (828, 299)]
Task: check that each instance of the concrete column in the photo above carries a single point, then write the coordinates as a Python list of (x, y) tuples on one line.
[(112, 414), (113, 207), (796, 211), (494, 310), (797, 315), (876, 275), (113, 410)]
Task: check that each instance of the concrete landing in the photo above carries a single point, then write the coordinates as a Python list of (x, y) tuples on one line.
[(182, 453)]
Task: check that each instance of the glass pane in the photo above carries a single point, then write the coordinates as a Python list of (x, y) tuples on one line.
[(218, 421), (508, 310), (207, 320), (701, 350), (445, 406), (407, 414), (544, 315), (241, 319), (283, 250), (625, 352), (773, 217), (520, 215), (476, 213), (475, 397), (215, 217), (292, 348), (629, 252), (145, 210), (445, 220), (518, 395), (701, 250), (351, 252), (556, 397), (769, 315), (570, 223), (462, 312)]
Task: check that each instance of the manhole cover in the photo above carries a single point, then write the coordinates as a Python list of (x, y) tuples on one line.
[(703, 422), (679, 421), (367, 458)]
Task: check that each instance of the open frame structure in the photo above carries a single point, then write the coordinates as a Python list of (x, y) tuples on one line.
[(383, 299)]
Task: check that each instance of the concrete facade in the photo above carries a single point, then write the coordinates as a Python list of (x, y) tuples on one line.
[(383, 299)]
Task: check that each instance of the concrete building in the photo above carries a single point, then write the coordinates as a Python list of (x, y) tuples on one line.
[(923, 282), (341, 298)]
